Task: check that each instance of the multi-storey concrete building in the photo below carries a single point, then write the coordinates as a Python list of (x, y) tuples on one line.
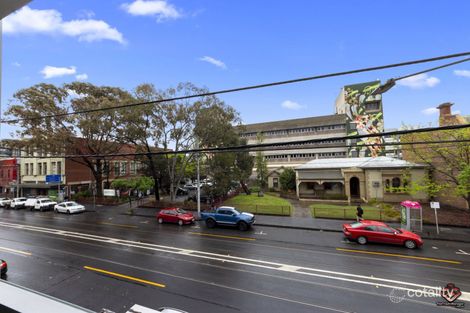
[(358, 112)]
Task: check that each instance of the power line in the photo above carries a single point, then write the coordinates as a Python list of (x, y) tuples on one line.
[(274, 144), (285, 82)]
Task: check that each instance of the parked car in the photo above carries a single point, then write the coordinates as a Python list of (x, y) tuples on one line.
[(43, 204), (372, 231), (181, 191), (170, 310), (226, 215), (69, 207), (30, 202), (3, 267), (203, 197), (175, 215), (17, 203), (190, 187), (4, 202)]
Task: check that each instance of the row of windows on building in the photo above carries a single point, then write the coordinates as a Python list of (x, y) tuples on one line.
[(304, 156), (295, 130), (120, 168), (41, 168), (323, 142), (6, 174)]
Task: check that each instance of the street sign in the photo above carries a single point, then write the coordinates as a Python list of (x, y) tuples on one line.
[(435, 206), (53, 178), (109, 192)]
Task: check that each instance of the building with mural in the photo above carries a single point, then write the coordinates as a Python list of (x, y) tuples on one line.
[(364, 114), (357, 112)]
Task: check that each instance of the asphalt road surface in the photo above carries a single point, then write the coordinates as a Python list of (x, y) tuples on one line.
[(103, 260)]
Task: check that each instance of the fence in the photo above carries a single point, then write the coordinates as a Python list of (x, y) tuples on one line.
[(350, 214), (265, 209)]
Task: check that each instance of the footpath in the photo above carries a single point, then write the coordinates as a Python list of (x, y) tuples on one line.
[(302, 219)]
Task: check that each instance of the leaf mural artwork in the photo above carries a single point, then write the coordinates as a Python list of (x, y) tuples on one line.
[(365, 117)]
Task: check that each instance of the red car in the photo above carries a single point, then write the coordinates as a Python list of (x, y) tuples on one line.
[(3, 267), (365, 231), (175, 215)]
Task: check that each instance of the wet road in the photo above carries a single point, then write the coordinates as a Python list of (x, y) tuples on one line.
[(104, 260)]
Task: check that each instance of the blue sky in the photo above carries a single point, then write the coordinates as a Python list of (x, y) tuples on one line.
[(223, 44)]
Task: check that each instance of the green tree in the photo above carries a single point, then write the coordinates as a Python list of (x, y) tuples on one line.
[(84, 134), (215, 128), (287, 179), (261, 167), (449, 162)]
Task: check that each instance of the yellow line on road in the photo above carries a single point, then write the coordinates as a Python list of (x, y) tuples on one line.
[(124, 276), (117, 225), (400, 256), (15, 251), (222, 236)]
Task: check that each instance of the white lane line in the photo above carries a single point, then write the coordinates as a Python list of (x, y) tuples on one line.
[(462, 252), (15, 251), (359, 279)]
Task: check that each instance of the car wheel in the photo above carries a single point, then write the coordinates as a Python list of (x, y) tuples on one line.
[(210, 223), (242, 226), (410, 244), (362, 240), (180, 222), (160, 220), (55, 210)]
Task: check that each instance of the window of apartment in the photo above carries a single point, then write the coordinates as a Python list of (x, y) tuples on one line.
[(8, 174), (59, 168), (371, 106), (26, 169), (116, 168), (123, 168), (44, 168), (396, 182), (31, 168), (53, 168), (133, 168), (39, 168)]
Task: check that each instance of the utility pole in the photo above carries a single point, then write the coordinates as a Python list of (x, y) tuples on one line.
[(17, 178), (198, 183)]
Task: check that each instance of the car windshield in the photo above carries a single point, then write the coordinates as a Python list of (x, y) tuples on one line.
[(181, 211)]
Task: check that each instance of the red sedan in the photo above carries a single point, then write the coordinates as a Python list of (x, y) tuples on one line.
[(372, 231), (3, 267), (175, 215)]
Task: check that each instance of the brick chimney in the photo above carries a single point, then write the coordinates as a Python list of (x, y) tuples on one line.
[(445, 113)]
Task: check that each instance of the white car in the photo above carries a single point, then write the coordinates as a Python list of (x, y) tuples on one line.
[(30, 202), (43, 204), (69, 207), (17, 203), (4, 202)]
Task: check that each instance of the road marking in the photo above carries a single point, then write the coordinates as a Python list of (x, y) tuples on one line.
[(15, 251), (260, 233), (124, 276), (307, 271), (117, 225), (462, 252), (400, 256), (222, 236)]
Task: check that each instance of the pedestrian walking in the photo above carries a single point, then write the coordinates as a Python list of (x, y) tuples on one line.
[(359, 212)]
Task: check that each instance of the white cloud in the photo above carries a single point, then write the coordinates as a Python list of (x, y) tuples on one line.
[(464, 73), (86, 14), (17, 64), (52, 71), (430, 111), (291, 105), (32, 21), (83, 76), (158, 8), (419, 81), (213, 61)]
